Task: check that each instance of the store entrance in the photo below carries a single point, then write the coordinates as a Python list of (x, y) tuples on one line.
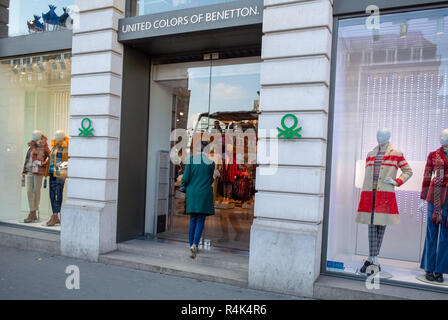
[(214, 98)]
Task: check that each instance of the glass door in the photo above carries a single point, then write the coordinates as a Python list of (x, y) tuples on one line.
[(218, 100)]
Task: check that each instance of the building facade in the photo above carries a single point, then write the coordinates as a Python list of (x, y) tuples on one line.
[(119, 77)]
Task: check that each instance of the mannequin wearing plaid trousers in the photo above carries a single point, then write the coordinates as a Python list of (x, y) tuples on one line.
[(378, 206)]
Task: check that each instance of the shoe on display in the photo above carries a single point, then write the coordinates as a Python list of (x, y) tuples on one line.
[(31, 217), (376, 265), (430, 276), (438, 277), (367, 263), (53, 220)]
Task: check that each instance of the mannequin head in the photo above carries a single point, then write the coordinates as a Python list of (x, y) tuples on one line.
[(444, 138), (383, 136), (59, 135), (37, 135)]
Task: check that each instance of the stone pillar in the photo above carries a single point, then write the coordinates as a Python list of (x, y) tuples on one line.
[(89, 216), (286, 236)]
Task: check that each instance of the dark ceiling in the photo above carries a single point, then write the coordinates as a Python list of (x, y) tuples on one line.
[(229, 42)]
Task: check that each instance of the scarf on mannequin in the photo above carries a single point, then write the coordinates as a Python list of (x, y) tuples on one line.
[(438, 187)]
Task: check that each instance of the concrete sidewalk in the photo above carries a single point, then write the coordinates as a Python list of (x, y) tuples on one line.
[(36, 275)]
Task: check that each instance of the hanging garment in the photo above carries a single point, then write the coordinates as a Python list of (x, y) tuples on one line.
[(229, 170), (244, 187), (434, 190), (385, 209)]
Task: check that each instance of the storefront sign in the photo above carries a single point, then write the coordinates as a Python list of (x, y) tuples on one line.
[(289, 132), (232, 14), (86, 131)]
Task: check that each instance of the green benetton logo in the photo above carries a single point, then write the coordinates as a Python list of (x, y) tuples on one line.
[(289, 132), (83, 131)]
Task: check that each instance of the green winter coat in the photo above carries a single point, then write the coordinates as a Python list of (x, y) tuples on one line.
[(197, 180)]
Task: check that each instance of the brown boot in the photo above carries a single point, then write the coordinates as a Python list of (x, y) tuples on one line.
[(31, 217), (53, 220)]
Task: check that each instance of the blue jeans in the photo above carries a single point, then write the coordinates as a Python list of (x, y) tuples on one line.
[(435, 253), (197, 222), (56, 193)]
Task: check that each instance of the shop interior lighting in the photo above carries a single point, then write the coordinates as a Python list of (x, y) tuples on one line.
[(62, 62), (440, 26), (14, 67), (29, 66), (22, 67), (40, 64), (403, 30)]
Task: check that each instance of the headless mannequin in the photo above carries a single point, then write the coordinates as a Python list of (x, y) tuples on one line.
[(444, 143), (435, 255), (383, 138)]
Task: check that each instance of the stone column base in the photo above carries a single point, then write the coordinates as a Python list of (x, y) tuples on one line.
[(88, 231), (284, 256)]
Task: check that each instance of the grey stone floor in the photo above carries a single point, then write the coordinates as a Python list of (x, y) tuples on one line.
[(35, 275)]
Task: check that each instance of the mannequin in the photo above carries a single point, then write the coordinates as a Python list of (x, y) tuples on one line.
[(34, 169), (378, 205), (57, 171), (434, 192)]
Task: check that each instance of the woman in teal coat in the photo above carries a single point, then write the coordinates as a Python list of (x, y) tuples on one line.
[(197, 181)]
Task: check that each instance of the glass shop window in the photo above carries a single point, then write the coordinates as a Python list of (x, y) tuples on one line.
[(34, 130), (22, 17), (389, 174)]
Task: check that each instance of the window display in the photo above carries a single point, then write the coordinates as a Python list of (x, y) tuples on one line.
[(388, 186), (33, 145), (434, 191)]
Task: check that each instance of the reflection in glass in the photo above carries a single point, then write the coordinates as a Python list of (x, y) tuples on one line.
[(27, 17), (394, 77), (143, 7), (211, 97), (35, 95)]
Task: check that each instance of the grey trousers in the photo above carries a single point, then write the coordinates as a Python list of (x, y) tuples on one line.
[(33, 188), (376, 234)]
